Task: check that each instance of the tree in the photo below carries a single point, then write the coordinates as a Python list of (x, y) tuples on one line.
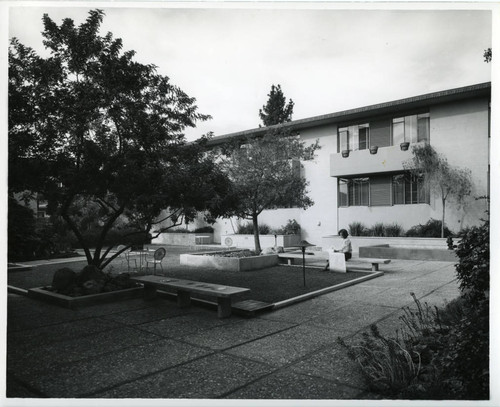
[(487, 55), (90, 124), (276, 110), (266, 174), (450, 183)]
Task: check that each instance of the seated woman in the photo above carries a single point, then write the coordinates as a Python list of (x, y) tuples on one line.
[(346, 247)]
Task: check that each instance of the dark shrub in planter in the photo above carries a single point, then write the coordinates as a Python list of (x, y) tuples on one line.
[(291, 228), (90, 280), (204, 229), (114, 237), (247, 229), (357, 229), (430, 229)]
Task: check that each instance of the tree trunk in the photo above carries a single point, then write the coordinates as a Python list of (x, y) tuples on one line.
[(256, 234), (442, 219)]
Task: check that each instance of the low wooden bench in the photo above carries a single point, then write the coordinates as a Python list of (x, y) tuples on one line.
[(291, 256), (184, 288), (374, 262)]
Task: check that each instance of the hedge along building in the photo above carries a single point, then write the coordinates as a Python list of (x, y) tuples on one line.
[(350, 182)]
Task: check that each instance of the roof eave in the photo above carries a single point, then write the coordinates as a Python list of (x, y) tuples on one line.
[(467, 92)]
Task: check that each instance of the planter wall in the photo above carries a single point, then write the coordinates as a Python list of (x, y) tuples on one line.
[(247, 241), (228, 263), (85, 300), (408, 242), (184, 239), (407, 253)]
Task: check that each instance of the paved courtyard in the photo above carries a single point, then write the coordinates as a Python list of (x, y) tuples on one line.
[(137, 349)]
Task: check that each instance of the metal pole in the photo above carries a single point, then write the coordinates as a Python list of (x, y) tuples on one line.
[(304, 264)]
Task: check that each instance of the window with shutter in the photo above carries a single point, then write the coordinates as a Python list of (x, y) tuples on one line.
[(380, 190)]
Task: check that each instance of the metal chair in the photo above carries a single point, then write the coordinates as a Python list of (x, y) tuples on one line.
[(125, 256), (158, 256)]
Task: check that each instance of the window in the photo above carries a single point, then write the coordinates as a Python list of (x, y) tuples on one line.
[(408, 189), (356, 137), (354, 192), (364, 132), (411, 129), (344, 139), (343, 192), (423, 129), (358, 192), (398, 131)]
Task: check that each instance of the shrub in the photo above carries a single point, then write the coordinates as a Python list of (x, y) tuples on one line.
[(114, 237), (438, 353), (378, 229), (386, 363), (178, 230), (430, 229), (247, 229), (470, 356), (357, 229), (204, 229), (393, 230), (473, 268), (291, 228)]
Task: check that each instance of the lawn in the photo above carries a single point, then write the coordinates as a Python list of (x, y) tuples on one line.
[(272, 284)]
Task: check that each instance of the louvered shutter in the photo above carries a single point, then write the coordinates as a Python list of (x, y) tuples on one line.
[(380, 190), (380, 133)]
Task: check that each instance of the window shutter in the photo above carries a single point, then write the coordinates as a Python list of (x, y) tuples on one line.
[(380, 133), (380, 190)]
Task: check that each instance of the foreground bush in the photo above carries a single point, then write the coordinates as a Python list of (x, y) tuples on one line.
[(438, 353)]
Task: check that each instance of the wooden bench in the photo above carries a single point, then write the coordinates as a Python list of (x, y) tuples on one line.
[(374, 262), (184, 288), (289, 257), (337, 265)]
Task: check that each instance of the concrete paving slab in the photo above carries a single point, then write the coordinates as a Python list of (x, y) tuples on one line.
[(48, 356), (213, 376), (286, 346), (86, 377), (183, 325), (355, 293), (60, 332), (346, 321), (116, 307), (332, 364), (230, 335), (160, 310), (291, 385), (303, 311), (442, 295)]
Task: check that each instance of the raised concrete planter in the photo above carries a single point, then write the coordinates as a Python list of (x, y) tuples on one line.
[(41, 293), (403, 242), (207, 259), (407, 253), (184, 239), (247, 241)]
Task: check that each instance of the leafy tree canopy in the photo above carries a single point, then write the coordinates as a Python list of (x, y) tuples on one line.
[(449, 182), (266, 174), (276, 110), (89, 123)]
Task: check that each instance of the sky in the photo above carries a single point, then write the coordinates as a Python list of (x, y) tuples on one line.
[(326, 59)]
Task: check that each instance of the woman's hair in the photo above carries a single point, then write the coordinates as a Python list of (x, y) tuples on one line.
[(343, 233)]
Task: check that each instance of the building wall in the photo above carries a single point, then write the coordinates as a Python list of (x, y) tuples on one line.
[(321, 218), (458, 130)]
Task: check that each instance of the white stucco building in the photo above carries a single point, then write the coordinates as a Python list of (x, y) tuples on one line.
[(366, 187)]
